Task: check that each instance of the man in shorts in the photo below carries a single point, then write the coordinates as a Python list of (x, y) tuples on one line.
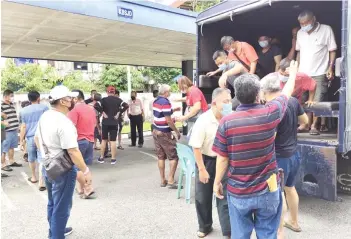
[(165, 142), (111, 109), (120, 122)]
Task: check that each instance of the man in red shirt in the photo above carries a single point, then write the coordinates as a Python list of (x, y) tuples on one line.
[(304, 85), (83, 117)]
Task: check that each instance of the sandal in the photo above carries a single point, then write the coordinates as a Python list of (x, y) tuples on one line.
[(314, 131), (323, 128), (174, 185), (87, 196), (164, 184), (42, 189), (7, 169), (120, 147), (294, 229), (203, 234), (30, 180)]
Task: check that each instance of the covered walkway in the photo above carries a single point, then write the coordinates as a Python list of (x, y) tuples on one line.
[(120, 32)]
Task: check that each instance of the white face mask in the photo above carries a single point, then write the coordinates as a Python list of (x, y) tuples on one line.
[(263, 44), (283, 78), (307, 28)]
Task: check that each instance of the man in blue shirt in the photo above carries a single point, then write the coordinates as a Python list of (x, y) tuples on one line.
[(30, 116)]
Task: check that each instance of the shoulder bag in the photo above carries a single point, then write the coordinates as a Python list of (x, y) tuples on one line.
[(57, 165), (259, 71)]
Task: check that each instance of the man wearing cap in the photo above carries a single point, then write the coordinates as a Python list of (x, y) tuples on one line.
[(57, 132), (112, 107)]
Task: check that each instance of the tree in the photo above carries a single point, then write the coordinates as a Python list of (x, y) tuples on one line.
[(162, 75), (199, 6), (74, 80), (116, 75)]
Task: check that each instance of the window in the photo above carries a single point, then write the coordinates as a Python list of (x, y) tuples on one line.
[(83, 66)]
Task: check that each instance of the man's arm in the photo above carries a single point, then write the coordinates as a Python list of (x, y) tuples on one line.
[(171, 124), (22, 133), (291, 55), (290, 84), (237, 69), (221, 168), (193, 111), (330, 72), (253, 67), (180, 100), (77, 158), (298, 57), (303, 119), (277, 60)]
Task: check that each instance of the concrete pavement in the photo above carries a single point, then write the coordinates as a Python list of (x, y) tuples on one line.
[(130, 204)]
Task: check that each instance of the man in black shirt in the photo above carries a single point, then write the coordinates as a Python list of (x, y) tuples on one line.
[(91, 99), (269, 56), (112, 107), (286, 148)]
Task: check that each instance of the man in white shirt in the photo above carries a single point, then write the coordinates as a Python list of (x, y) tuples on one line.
[(202, 138), (316, 55), (136, 117), (57, 133)]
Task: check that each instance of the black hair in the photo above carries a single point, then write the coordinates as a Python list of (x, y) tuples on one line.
[(7, 92), (97, 97), (218, 53), (117, 92), (25, 103), (33, 96), (80, 94), (93, 91), (155, 93)]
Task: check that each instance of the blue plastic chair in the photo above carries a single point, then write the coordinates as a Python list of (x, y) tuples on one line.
[(187, 159)]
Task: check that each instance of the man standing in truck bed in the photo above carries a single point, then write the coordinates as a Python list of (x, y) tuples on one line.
[(316, 54)]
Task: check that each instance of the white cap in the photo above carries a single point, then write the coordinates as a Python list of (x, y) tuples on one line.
[(61, 91)]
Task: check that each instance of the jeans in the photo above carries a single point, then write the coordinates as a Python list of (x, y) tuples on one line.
[(204, 198), (136, 121), (291, 168), (87, 149), (261, 213), (10, 142), (60, 196), (32, 150)]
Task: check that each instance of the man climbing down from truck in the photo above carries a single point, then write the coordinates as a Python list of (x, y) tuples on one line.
[(286, 148), (316, 48)]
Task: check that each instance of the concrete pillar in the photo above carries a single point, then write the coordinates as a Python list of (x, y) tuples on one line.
[(187, 70)]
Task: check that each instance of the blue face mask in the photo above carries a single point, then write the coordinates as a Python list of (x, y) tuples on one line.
[(283, 78), (222, 67), (227, 109), (263, 44), (307, 28)]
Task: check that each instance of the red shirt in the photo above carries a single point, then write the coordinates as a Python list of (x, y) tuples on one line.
[(195, 95), (303, 83), (83, 117), (245, 52)]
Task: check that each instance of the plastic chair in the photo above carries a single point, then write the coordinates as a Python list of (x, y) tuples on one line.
[(187, 159)]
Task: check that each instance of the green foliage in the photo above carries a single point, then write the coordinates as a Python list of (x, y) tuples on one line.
[(200, 6), (74, 80), (116, 75), (163, 75)]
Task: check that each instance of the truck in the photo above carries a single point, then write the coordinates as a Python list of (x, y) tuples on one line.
[(325, 170)]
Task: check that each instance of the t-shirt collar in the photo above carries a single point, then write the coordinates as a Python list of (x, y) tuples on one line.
[(213, 117), (243, 107)]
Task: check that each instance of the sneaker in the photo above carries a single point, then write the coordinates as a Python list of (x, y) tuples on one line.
[(68, 231), (101, 160), (140, 145), (113, 161)]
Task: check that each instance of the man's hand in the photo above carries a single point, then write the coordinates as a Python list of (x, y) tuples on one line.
[(3, 115), (330, 73), (178, 135), (5, 123), (218, 190), (181, 119), (211, 73), (117, 115), (204, 177), (104, 115), (22, 146), (177, 109), (309, 103), (88, 178)]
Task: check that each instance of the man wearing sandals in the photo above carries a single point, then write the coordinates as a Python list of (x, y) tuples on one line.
[(30, 116), (244, 145), (202, 137), (57, 132), (316, 48), (286, 149), (83, 118), (165, 142)]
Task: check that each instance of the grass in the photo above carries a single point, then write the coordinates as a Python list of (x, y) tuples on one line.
[(146, 127)]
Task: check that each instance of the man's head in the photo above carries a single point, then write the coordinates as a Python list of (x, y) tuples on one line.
[(61, 98), (247, 88), (284, 69), (221, 102), (220, 58), (111, 90), (270, 86), (164, 90), (307, 20), (228, 43), (92, 93), (184, 84), (97, 97), (133, 95), (34, 97), (79, 98), (155, 93), (264, 41), (8, 96)]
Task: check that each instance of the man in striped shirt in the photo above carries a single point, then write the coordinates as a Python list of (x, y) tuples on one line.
[(165, 142), (245, 143), (11, 141)]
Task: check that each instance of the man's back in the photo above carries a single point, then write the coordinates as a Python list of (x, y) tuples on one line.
[(286, 139), (30, 116), (83, 117), (111, 106)]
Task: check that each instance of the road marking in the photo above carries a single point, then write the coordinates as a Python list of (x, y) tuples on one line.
[(6, 201), (152, 156), (35, 188)]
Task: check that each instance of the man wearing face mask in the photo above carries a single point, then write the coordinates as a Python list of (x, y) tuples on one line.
[(316, 55), (270, 55), (11, 141), (202, 138), (303, 84), (56, 133), (165, 142), (136, 116)]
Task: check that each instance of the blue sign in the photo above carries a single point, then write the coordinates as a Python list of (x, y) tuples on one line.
[(22, 61), (125, 12)]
